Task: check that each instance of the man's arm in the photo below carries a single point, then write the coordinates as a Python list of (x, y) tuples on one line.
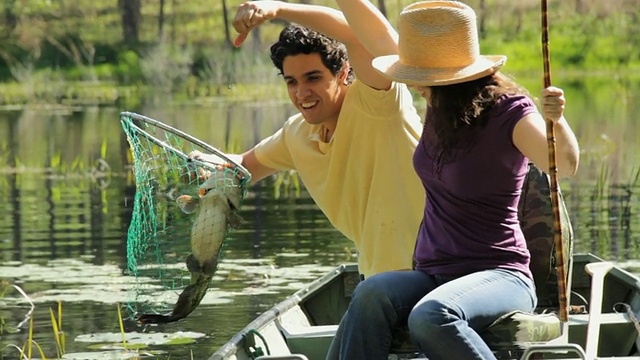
[(255, 167), (248, 160), (326, 20)]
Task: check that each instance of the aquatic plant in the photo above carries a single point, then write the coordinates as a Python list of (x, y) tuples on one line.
[(4, 287), (26, 351), (285, 180), (121, 323), (58, 334), (31, 343)]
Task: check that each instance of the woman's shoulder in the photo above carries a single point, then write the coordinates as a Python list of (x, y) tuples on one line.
[(513, 103), (515, 100)]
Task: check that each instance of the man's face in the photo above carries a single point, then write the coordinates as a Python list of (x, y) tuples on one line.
[(312, 88)]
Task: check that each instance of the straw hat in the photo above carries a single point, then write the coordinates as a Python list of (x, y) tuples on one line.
[(438, 45)]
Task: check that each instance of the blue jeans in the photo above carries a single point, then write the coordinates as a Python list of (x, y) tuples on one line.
[(444, 313)]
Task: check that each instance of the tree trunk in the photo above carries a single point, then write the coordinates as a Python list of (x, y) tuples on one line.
[(161, 21), (11, 19), (174, 22), (383, 7), (225, 20), (130, 15), (482, 9)]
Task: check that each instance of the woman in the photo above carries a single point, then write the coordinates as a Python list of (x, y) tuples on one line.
[(481, 130)]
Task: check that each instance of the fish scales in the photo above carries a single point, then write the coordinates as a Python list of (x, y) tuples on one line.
[(216, 209)]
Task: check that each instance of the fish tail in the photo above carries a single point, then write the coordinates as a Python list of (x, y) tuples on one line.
[(155, 319), (188, 300), (191, 296)]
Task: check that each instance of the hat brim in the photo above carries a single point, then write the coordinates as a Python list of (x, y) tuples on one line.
[(391, 67)]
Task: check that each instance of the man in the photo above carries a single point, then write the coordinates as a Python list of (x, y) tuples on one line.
[(351, 142)]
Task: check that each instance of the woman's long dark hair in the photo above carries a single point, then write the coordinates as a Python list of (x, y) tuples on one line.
[(457, 107)]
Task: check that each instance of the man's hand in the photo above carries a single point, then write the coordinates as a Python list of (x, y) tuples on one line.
[(210, 158), (252, 14)]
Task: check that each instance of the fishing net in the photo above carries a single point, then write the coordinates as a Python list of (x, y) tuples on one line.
[(159, 235)]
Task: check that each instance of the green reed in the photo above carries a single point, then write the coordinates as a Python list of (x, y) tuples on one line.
[(31, 343), (26, 352), (121, 324), (58, 334), (285, 181)]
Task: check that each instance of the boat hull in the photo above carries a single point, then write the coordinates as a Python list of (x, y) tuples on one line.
[(303, 325)]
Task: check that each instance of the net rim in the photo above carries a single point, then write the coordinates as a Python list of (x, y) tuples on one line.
[(246, 175)]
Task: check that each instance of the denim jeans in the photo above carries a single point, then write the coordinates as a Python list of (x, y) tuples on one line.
[(444, 313)]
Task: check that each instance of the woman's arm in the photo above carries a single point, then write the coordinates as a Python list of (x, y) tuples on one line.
[(370, 26), (530, 135)]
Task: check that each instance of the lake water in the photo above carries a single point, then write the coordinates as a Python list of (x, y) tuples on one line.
[(67, 195)]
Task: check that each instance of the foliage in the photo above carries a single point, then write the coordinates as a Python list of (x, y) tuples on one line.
[(187, 49), (164, 67), (128, 67)]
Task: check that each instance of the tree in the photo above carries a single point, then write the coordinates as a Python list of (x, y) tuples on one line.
[(130, 13), (383, 7), (225, 21), (161, 21), (11, 19), (482, 9)]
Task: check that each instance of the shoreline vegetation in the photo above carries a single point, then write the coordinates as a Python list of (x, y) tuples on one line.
[(106, 52)]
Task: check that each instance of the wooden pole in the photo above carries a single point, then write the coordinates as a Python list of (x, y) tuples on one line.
[(553, 174)]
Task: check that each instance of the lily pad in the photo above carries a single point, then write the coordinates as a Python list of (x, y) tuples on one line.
[(113, 346), (132, 338), (114, 354)]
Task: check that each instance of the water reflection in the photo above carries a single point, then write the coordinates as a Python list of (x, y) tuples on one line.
[(67, 198), (66, 241)]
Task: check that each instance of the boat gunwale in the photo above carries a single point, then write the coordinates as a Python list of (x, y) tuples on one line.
[(232, 346)]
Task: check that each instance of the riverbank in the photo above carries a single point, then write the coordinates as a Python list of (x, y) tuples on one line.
[(74, 93)]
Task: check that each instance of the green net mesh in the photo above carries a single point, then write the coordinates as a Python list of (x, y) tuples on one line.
[(182, 206)]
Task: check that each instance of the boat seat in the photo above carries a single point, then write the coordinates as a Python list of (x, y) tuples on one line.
[(314, 341), (505, 336), (510, 336), (302, 337), (606, 318), (292, 332)]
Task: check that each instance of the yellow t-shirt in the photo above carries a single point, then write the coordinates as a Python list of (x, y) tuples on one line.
[(363, 179)]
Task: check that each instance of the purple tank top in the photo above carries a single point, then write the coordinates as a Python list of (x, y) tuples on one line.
[(470, 218)]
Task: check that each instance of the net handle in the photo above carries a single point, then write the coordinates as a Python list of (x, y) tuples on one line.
[(247, 174)]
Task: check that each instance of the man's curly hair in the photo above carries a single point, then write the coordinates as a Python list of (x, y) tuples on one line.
[(296, 39)]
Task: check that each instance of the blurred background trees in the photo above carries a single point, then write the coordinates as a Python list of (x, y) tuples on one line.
[(110, 39)]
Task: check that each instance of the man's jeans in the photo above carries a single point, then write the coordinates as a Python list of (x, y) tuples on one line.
[(444, 313)]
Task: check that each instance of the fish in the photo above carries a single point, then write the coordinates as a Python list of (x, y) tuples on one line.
[(216, 210)]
